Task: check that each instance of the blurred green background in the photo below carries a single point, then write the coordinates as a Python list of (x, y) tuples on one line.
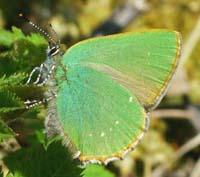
[(171, 148)]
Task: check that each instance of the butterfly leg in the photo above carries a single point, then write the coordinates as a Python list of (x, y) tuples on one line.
[(32, 103), (44, 73), (31, 75)]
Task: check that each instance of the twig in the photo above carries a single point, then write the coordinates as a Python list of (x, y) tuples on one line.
[(193, 143), (121, 17), (192, 41), (171, 113), (181, 77), (192, 114), (147, 166), (196, 169)]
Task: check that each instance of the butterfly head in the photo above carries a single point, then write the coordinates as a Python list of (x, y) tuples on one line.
[(54, 43)]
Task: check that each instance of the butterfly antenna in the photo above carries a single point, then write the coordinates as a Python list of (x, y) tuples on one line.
[(54, 32), (38, 28)]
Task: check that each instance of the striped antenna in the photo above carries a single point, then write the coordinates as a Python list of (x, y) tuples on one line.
[(54, 32), (38, 28)]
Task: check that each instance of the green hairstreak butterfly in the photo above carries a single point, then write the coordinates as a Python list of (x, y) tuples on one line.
[(101, 90)]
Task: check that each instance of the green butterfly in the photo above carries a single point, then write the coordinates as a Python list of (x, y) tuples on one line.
[(103, 89)]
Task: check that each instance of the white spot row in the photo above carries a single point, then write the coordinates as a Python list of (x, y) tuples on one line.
[(102, 133)]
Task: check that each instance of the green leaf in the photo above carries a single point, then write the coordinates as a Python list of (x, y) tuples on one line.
[(97, 171), (13, 80), (10, 101), (20, 53), (43, 140), (5, 37), (5, 131), (17, 33), (36, 161), (10, 175), (36, 39)]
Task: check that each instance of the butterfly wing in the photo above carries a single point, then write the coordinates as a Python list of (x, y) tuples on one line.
[(100, 117), (142, 62), (103, 84)]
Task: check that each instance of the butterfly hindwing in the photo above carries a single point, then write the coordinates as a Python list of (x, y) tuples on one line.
[(100, 117)]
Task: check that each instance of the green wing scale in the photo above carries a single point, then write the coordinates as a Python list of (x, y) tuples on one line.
[(106, 86)]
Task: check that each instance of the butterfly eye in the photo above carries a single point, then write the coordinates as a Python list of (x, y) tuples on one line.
[(54, 50)]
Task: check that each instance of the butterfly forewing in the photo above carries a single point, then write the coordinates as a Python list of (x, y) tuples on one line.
[(143, 62)]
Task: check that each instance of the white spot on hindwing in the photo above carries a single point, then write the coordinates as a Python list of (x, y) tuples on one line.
[(102, 134), (130, 99)]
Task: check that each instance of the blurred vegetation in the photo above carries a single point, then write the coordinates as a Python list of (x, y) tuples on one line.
[(24, 151)]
